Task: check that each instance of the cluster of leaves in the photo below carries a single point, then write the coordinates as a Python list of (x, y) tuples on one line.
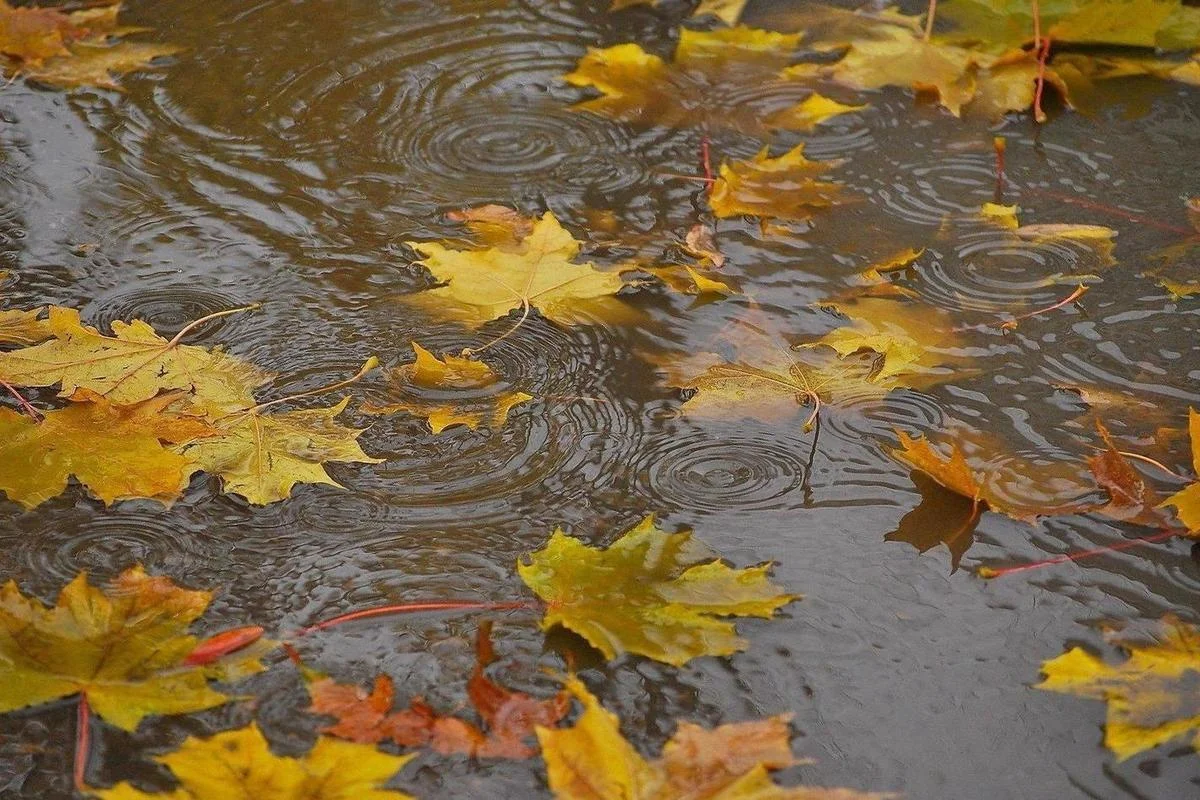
[(987, 57), (66, 50), (145, 413)]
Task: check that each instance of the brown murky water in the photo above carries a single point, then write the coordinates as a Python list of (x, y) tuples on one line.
[(286, 156)]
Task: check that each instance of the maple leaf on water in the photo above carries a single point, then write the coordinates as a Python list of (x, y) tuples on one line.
[(263, 456), (449, 391), (239, 763), (1187, 500), (1153, 696), (733, 78), (954, 494), (593, 761), (125, 649), (782, 188), (132, 365), (509, 716), (653, 593), (538, 271), (75, 49), (116, 451)]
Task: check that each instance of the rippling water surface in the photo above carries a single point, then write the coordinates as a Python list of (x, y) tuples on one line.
[(288, 154)]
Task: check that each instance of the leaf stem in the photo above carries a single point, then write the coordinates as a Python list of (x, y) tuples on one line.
[(471, 351), (412, 608), (929, 17), (1085, 203), (1080, 290), (26, 406), (191, 326), (988, 572), (83, 737), (370, 364), (1151, 461), (706, 163), (1039, 115)]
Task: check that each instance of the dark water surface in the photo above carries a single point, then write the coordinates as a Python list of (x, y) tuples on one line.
[(289, 153)]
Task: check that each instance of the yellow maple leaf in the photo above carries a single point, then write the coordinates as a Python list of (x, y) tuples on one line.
[(593, 761), (704, 84), (1152, 696), (132, 365), (653, 593), (779, 188), (480, 395), (239, 763), (1187, 500), (24, 327), (117, 451), (263, 456), (124, 649), (536, 272)]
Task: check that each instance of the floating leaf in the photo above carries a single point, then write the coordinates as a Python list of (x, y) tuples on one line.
[(1130, 499), (593, 761), (239, 763), (1153, 696), (652, 593), (116, 451), (125, 649), (450, 378), (728, 11), (494, 225), (132, 365), (24, 327), (509, 717), (779, 188), (537, 272), (701, 243), (69, 50), (704, 84), (262, 456), (1187, 501)]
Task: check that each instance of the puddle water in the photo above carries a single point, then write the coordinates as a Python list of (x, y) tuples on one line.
[(292, 150)]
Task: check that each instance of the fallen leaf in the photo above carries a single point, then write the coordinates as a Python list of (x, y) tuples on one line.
[(728, 11), (1130, 499), (133, 365), (124, 649), (263, 456), (118, 452), (593, 761), (537, 272), (1153, 696), (24, 327), (239, 763), (652, 593), (494, 225), (877, 274), (509, 717), (774, 188), (705, 84), (701, 243), (1187, 501), (71, 50), (467, 392)]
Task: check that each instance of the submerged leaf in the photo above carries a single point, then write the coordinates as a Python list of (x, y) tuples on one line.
[(780, 188), (652, 593), (117, 451), (508, 716), (593, 761), (125, 649), (1153, 696), (483, 400), (706, 83), (239, 763), (536, 272)]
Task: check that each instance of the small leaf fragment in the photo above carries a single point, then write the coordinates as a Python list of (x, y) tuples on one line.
[(774, 188)]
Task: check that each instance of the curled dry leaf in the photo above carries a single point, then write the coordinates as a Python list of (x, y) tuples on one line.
[(239, 763), (116, 451), (1153, 696), (705, 83), (509, 717), (774, 188), (701, 243), (652, 593), (467, 392), (1187, 501), (1130, 499), (125, 649), (536, 272), (593, 761)]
